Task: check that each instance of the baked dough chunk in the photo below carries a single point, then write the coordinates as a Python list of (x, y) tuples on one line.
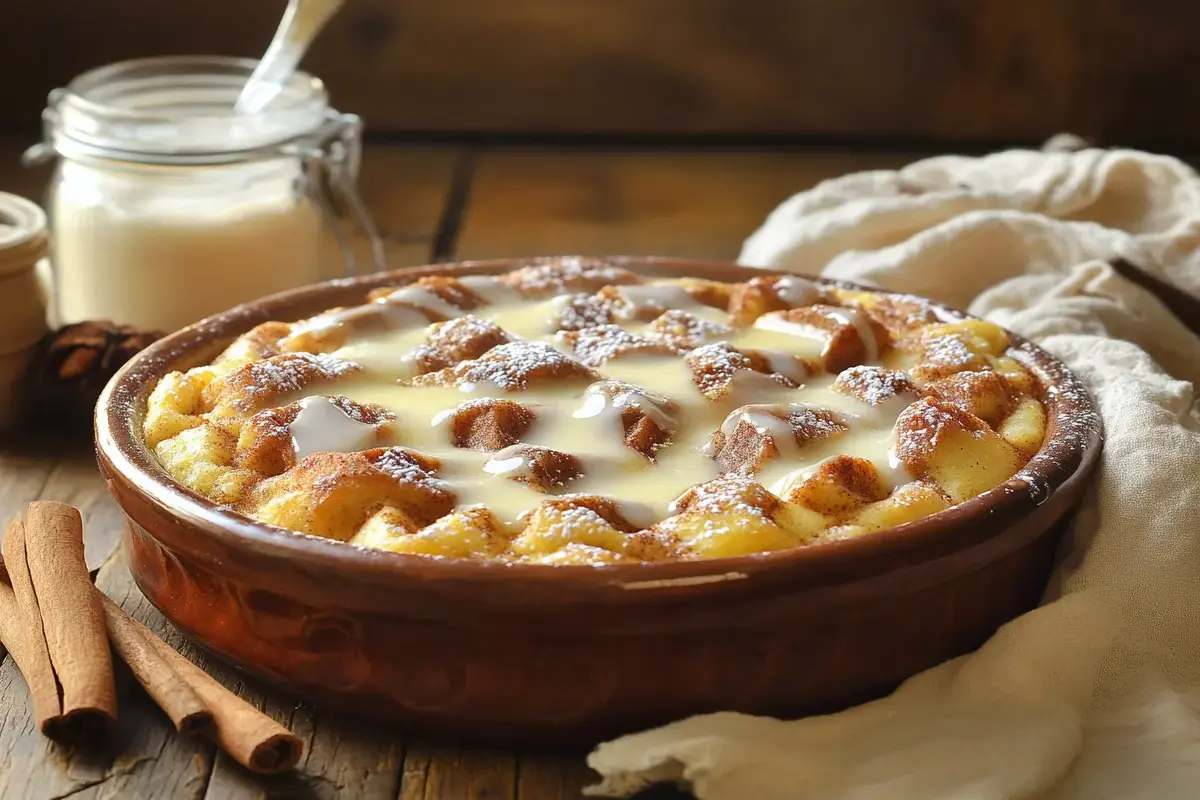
[(582, 311), (717, 367), (876, 387), (542, 469), (909, 503), (753, 435), (987, 395), (734, 515), (511, 367), (333, 329), (598, 345), (238, 395), (333, 494), (757, 296), (899, 314), (266, 444), (849, 336), (953, 448), (681, 330), (437, 293), (262, 341), (457, 340), (710, 293), (568, 275), (488, 424), (840, 486), (647, 420), (471, 532), (557, 529)]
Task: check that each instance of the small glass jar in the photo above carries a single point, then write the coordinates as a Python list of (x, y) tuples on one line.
[(167, 207)]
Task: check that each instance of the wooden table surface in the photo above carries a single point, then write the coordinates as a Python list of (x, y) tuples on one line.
[(433, 203)]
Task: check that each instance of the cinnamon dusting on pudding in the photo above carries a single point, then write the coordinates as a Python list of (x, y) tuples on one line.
[(572, 412)]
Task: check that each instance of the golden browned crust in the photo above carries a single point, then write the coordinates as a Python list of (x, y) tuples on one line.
[(952, 409)]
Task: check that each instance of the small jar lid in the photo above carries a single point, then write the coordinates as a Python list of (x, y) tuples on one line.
[(23, 236)]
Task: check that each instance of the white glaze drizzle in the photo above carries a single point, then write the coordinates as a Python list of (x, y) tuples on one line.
[(653, 297), (423, 297), (797, 291), (493, 290), (574, 420), (511, 462), (322, 427), (866, 334)]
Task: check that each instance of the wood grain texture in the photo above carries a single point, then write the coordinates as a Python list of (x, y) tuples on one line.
[(553, 775), (436, 771), (407, 189), (930, 69), (700, 204)]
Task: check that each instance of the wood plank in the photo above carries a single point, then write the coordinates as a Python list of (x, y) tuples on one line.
[(933, 69), (23, 474), (553, 776), (407, 189), (342, 757), (434, 771), (699, 204)]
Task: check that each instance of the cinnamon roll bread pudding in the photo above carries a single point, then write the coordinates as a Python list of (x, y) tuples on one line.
[(573, 412)]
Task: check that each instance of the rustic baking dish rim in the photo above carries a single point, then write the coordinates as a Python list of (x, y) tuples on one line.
[(1068, 455)]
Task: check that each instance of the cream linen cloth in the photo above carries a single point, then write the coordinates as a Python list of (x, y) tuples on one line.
[(1095, 694)]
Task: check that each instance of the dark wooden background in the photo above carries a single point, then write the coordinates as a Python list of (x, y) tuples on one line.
[(963, 71)]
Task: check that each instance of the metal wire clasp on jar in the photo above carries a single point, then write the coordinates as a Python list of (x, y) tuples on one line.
[(167, 207)]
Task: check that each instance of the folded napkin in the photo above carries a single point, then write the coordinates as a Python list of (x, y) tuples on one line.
[(1096, 693)]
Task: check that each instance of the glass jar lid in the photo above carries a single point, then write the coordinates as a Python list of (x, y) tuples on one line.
[(177, 110)]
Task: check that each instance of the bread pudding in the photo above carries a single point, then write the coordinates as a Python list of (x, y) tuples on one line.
[(573, 412)]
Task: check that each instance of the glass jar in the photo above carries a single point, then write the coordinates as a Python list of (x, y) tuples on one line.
[(167, 207)]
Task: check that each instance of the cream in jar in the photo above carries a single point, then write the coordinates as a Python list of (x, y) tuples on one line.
[(168, 207)]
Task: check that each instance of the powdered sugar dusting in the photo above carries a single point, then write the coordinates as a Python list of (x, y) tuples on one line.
[(262, 381), (609, 362), (401, 465), (949, 350), (683, 331), (512, 367), (596, 345), (568, 274), (874, 386), (583, 311)]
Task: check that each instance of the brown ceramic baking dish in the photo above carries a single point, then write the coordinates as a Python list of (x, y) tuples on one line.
[(525, 653)]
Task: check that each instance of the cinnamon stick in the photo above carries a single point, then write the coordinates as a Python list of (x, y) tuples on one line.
[(48, 621), (72, 619), (22, 633), (253, 739), (172, 694)]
